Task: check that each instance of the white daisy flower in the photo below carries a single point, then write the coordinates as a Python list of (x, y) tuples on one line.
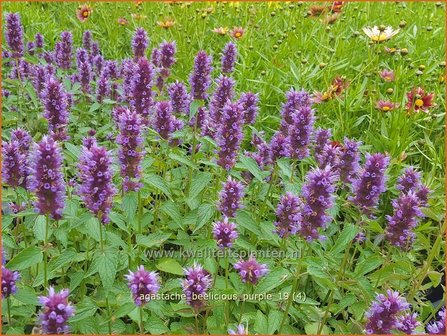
[(380, 34)]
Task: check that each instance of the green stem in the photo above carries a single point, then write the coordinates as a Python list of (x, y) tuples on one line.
[(140, 213), (227, 303), (141, 321), (101, 241), (9, 311), (45, 252), (109, 317), (197, 324)]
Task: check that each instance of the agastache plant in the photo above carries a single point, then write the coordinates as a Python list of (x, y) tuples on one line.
[(349, 161), (200, 78), (13, 164), (318, 199), (143, 285), (46, 179), (438, 327), (250, 270), (140, 43), (180, 98), (9, 281), (56, 311), (64, 51), (131, 150), (85, 74), (249, 102), (229, 135), (164, 121), (141, 88), (224, 93), (229, 58), (96, 188), (287, 215), (196, 284), (14, 34), (230, 197), (295, 100), (299, 132), (225, 232)]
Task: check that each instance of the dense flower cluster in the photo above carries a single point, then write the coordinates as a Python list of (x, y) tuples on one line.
[(96, 188), (13, 164), (229, 57), (249, 102), (250, 270), (142, 284), (180, 98), (9, 280), (140, 43), (225, 233), (200, 78), (46, 179), (230, 197), (164, 120), (141, 88), (287, 215), (197, 283), (64, 51), (438, 327), (224, 93), (56, 310), (14, 34)]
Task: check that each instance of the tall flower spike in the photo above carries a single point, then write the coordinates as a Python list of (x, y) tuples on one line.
[(103, 87), (54, 100), (141, 88), (96, 188), (225, 232), (87, 40), (250, 270), (329, 156), (164, 121), (23, 138), (180, 98), (224, 93), (197, 283), (229, 135), (371, 183), (9, 280), (64, 51), (299, 133), (278, 146), (131, 151), (85, 74), (46, 179), (229, 57), (13, 164), (287, 215), (249, 102), (295, 100), (437, 327), (39, 40), (349, 160), (167, 54), (200, 78), (140, 42), (318, 195), (240, 330), (56, 311), (409, 181), (14, 34), (408, 323), (399, 231), (230, 197), (382, 316), (143, 285), (322, 138), (128, 69), (263, 154)]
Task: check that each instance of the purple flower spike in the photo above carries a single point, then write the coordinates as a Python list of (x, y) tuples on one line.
[(180, 98), (131, 152), (143, 285), (382, 316), (318, 194), (295, 100), (14, 34), (225, 233), (278, 146), (200, 78), (103, 87), (287, 215), (87, 40), (329, 156), (224, 93), (408, 323), (31, 47), (249, 102), (85, 73), (141, 88), (229, 135), (164, 121), (263, 154), (56, 310), (250, 270), (400, 227), (230, 197), (437, 327), (96, 188), (64, 51), (167, 54), (371, 182), (55, 102), (23, 138), (46, 179), (322, 138), (299, 132), (156, 57), (349, 161), (409, 181), (38, 38), (240, 330), (229, 57), (9, 279), (196, 285), (140, 42), (13, 164)]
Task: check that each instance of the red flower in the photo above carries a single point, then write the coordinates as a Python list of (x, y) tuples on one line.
[(419, 100), (84, 12)]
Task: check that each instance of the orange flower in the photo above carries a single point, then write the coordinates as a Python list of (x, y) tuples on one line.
[(166, 24), (84, 12), (317, 10), (237, 32), (122, 21)]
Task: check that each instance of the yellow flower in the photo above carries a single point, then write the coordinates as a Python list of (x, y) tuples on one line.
[(166, 24), (380, 34), (220, 30), (138, 16)]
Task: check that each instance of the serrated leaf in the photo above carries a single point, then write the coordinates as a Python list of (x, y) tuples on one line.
[(170, 265), (153, 239), (105, 263), (182, 160), (199, 182), (244, 219), (261, 325), (251, 165), (158, 183), (274, 321), (26, 258), (205, 213), (346, 236)]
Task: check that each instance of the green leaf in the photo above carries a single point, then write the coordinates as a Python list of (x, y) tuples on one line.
[(170, 265), (205, 213), (158, 183), (312, 329), (156, 326), (129, 205), (74, 151), (244, 219), (105, 263), (346, 236), (194, 107), (26, 295), (182, 160), (284, 165), (271, 281), (26, 258), (153, 239), (261, 326), (274, 321), (251, 165), (199, 182), (39, 228), (367, 265)]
